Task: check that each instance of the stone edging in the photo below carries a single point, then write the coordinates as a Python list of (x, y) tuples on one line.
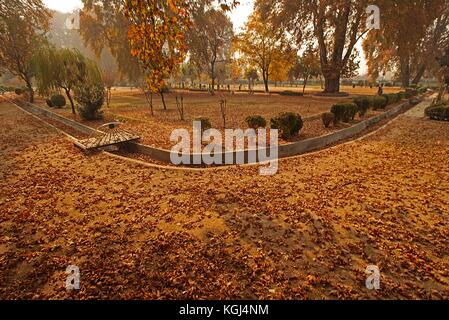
[(287, 150)]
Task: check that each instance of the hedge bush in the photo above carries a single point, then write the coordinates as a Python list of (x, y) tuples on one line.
[(288, 124), (91, 99), (438, 112), (49, 103), (328, 118), (291, 93), (344, 111), (58, 101), (363, 103), (411, 92), (422, 90), (256, 122), (205, 123), (379, 102), (392, 98), (402, 95), (7, 89)]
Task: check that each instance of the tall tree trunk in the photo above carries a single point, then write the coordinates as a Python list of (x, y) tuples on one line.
[(420, 74), (67, 92), (404, 61), (305, 84), (163, 100), (265, 80), (30, 90), (212, 75), (150, 101), (332, 82)]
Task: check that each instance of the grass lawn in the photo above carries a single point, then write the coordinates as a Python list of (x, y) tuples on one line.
[(130, 106)]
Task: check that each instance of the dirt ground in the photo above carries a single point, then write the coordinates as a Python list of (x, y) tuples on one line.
[(307, 233)]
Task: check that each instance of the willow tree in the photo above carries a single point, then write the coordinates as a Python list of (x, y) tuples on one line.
[(336, 26), (23, 24), (60, 69)]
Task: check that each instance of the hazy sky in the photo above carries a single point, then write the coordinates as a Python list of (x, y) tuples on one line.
[(63, 5), (238, 15)]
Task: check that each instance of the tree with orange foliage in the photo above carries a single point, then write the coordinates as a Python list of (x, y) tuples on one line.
[(261, 45), (155, 33), (156, 36)]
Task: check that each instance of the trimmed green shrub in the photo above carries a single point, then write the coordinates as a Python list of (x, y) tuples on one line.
[(408, 95), (438, 112), (205, 123), (379, 102), (344, 111), (387, 97), (396, 96), (402, 95), (363, 104), (411, 92), (91, 99), (49, 103), (422, 90), (58, 101), (328, 118), (288, 124), (391, 98), (7, 89), (353, 109), (291, 93), (256, 122)]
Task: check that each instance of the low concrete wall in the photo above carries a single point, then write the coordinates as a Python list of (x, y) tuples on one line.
[(54, 116), (287, 150), (308, 145)]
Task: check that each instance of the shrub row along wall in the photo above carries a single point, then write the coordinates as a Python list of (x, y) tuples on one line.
[(286, 150), (323, 141)]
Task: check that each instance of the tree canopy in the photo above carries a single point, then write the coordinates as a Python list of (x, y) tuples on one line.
[(23, 25), (261, 45), (336, 27), (411, 36), (61, 69), (209, 41)]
